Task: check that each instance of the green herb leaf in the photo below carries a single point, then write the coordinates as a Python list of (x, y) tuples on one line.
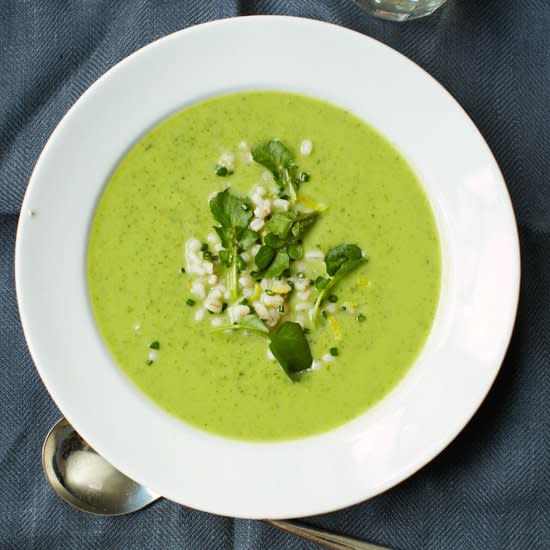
[(279, 160), (251, 322), (226, 257), (339, 260), (154, 345), (290, 348), (233, 214), (248, 238), (280, 224), (275, 156), (343, 256), (303, 223), (334, 352), (274, 241), (280, 264), (257, 275), (190, 302), (264, 257), (241, 264), (228, 210), (321, 282), (225, 235), (295, 251)]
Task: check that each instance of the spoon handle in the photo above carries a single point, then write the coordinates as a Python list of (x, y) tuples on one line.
[(324, 538)]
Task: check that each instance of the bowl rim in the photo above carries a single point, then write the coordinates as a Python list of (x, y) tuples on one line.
[(354, 432)]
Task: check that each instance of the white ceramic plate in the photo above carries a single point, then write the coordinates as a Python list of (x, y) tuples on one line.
[(474, 319)]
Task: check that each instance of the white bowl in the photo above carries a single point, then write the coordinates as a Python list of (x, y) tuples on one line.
[(480, 268)]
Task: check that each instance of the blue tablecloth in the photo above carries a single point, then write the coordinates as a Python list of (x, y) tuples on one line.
[(490, 489)]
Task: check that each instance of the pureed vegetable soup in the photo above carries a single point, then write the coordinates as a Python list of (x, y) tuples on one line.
[(264, 266)]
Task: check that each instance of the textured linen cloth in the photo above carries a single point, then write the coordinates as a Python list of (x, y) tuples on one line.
[(490, 488)]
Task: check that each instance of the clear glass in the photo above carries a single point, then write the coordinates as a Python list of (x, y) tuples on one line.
[(400, 10)]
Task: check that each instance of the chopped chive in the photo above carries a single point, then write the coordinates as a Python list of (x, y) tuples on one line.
[(333, 298), (244, 302), (204, 247), (223, 171), (154, 345), (304, 176), (224, 306), (324, 314), (334, 352), (190, 302), (149, 362), (343, 308), (361, 318), (281, 308), (182, 269), (207, 255), (269, 292), (284, 196), (215, 258)]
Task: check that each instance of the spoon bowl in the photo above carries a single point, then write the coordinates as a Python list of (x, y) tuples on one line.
[(84, 479)]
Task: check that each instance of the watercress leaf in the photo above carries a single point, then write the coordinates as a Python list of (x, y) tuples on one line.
[(339, 260), (280, 264), (225, 236), (274, 156), (248, 238), (343, 257), (295, 251), (233, 214), (252, 322), (231, 211), (273, 240), (321, 283), (280, 224), (226, 257), (257, 275), (291, 348), (241, 264), (303, 223), (264, 257)]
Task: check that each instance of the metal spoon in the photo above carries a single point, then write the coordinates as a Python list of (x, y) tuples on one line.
[(88, 482)]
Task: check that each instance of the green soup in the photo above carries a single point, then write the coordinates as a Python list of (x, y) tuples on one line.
[(157, 198)]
